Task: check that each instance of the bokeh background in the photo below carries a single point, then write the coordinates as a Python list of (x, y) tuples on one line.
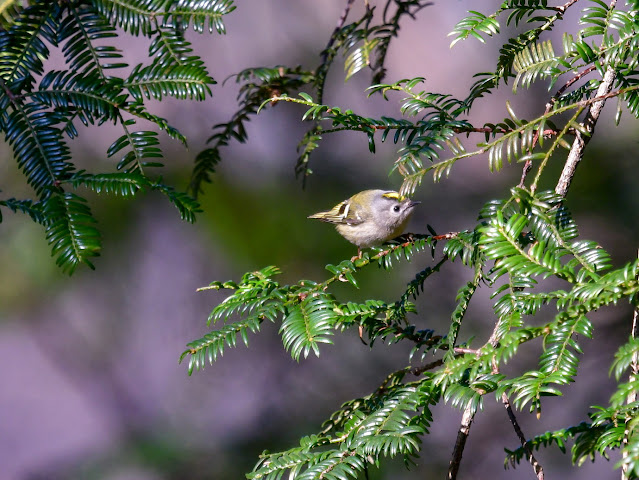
[(90, 386)]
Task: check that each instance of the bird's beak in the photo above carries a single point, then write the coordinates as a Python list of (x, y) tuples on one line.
[(413, 204)]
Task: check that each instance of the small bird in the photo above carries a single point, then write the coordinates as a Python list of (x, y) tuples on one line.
[(370, 217)]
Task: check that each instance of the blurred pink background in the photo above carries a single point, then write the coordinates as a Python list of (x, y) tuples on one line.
[(91, 386)]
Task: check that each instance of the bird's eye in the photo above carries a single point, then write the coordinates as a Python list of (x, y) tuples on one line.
[(396, 208)]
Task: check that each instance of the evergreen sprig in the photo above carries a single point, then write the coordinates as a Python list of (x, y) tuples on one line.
[(526, 238), (43, 109), (364, 42), (385, 425), (520, 246)]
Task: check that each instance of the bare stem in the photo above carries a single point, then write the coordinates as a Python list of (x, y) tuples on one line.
[(561, 9), (560, 92), (338, 27), (460, 443), (581, 140), (549, 105), (539, 471)]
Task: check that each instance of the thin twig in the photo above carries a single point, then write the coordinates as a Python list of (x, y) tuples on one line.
[(574, 79), (539, 471), (497, 130), (417, 371), (338, 27), (445, 236), (393, 29), (546, 133), (562, 9), (470, 351)]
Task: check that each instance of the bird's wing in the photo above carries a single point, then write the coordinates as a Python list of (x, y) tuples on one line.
[(339, 214)]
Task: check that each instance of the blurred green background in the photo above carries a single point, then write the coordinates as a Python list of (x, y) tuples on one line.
[(91, 387)]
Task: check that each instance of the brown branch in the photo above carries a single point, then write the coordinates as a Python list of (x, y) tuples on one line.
[(549, 105), (539, 471), (562, 9), (460, 442), (417, 371), (581, 140), (574, 79), (546, 133), (469, 351), (445, 236), (600, 98), (590, 102)]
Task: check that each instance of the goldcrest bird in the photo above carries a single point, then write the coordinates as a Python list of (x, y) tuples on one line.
[(370, 217)]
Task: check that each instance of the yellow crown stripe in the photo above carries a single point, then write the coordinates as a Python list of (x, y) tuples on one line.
[(394, 196)]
